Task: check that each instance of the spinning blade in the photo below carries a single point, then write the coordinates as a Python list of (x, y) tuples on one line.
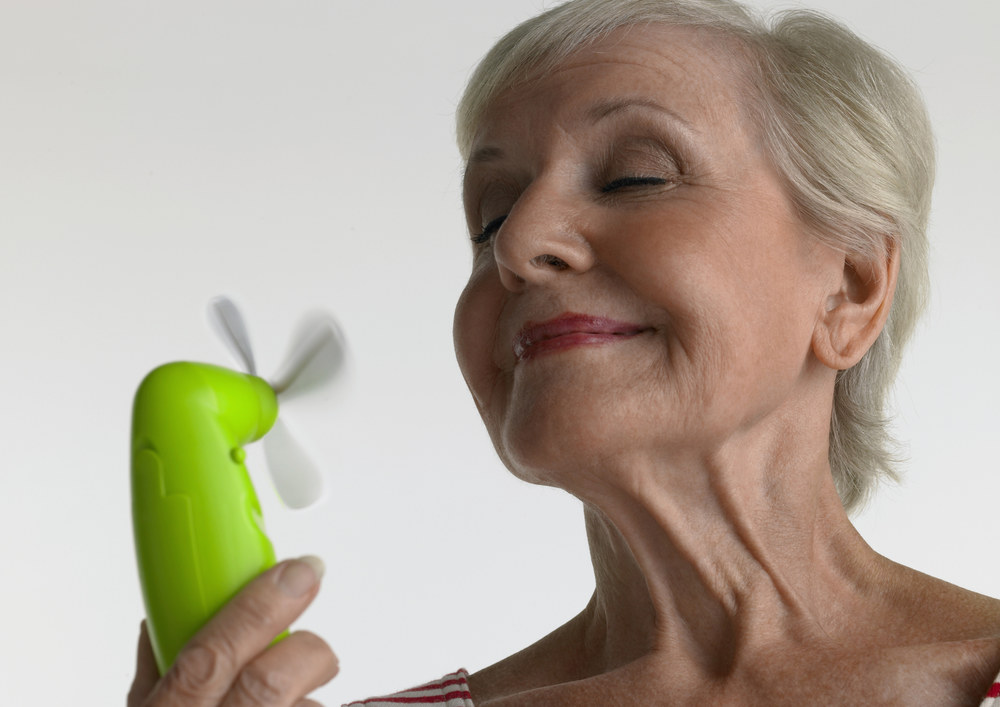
[(226, 320), (317, 355), (296, 477)]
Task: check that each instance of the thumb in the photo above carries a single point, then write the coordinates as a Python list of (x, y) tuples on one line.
[(146, 672)]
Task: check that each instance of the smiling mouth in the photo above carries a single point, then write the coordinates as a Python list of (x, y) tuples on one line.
[(570, 330)]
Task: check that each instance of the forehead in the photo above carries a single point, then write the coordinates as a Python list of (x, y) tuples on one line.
[(698, 75)]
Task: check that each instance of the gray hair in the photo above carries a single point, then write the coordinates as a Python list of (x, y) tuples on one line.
[(846, 128)]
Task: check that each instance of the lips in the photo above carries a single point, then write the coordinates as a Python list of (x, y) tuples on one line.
[(570, 330)]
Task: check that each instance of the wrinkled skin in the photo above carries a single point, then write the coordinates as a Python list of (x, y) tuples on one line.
[(628, 184), (230, 662)]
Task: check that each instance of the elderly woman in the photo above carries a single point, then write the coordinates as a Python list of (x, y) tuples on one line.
[(698, 251)]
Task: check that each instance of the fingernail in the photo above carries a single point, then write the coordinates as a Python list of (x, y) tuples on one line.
[(301, 575)]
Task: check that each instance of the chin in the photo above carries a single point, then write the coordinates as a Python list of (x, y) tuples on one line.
[(553, 445)]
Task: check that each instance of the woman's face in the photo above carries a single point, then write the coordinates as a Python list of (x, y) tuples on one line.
[(640, 281)]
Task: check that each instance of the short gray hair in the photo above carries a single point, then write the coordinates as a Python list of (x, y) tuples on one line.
[(847, 129)]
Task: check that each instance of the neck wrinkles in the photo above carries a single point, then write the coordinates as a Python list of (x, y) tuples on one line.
[(727, 556)]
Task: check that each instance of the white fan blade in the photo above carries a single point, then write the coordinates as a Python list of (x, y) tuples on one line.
[(226, 320), (296, 477), (318, 353)]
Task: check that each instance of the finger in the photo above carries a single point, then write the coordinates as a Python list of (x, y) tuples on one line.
[(207, 666), (284, 673), (146, 672)]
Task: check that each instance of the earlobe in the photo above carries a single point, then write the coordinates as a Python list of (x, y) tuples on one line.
[(855, 313)]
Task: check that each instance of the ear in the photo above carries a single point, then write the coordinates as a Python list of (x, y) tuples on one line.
[(856, 312)]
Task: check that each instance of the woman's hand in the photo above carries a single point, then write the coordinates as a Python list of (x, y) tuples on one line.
[(229, 661)]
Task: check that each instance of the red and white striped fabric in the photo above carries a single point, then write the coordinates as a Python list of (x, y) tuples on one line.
[(993, 696), (451, 691)]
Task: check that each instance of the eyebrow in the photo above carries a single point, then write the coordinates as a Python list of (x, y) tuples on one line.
[(595, 114), (485, 154), (608, 108)]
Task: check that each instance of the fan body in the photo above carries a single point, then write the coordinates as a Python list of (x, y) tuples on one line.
[(199, 534)]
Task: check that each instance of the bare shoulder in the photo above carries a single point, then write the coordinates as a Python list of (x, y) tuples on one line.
[(942, 636), (969, 647), (931, 610), (551, 660), (953, 672), (932, 642)]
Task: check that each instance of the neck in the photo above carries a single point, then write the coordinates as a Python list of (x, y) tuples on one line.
[(704, 560)]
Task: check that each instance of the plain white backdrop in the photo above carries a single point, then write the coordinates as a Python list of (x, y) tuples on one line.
[(299, 155)]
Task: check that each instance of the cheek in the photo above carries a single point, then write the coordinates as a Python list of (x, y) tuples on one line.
[(475, 335), (696, 261), (474, 332), (668, 261), (736, 307)]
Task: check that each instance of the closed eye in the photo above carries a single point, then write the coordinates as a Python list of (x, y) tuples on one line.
[(489, 230), (623, 182)]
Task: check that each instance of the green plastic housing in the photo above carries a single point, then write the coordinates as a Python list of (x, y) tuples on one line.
[(199, 533)]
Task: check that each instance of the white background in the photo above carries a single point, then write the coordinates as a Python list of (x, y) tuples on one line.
[(299, 155)]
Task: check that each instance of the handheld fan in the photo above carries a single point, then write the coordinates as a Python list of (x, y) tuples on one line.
[(199, 533)]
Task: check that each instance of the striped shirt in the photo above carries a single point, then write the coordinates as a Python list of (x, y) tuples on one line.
[(993, 696), (453, 691)]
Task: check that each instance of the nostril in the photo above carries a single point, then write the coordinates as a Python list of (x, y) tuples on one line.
[(551, 261)]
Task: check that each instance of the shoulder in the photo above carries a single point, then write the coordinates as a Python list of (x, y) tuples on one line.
[(963, 669), (931, 610), (941, 636), (451, 690)]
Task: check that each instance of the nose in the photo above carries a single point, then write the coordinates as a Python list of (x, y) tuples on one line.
[(541, 239)]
